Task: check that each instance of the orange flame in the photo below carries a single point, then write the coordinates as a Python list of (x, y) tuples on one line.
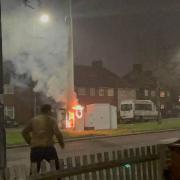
[(74, 110)]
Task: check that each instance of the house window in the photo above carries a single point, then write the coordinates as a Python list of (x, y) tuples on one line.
[(162, 106), (153, 93), (81, 91), (9, 112), (101, 92), (168, 93), (110, 92), (92, 92), (146, 92), (8, 89), (162, 94)]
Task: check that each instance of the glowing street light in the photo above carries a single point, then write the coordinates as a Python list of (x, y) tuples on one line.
[(44, 18)]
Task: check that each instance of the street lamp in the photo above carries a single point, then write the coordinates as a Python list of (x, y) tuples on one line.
[(44, 18)]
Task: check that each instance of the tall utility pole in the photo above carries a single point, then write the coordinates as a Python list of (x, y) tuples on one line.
[(2, 122), (70, 61)]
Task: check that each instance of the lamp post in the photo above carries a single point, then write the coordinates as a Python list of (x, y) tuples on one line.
[(2, 121)]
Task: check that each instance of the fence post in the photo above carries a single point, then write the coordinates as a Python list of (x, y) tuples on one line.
[(93, 161), (85, 162), (161, 149), (78, 164), (33, 169), (69, 161), (149, 166), (120, 157)]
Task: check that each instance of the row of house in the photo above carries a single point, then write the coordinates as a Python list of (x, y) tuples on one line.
[(96, 84), (93, 84)]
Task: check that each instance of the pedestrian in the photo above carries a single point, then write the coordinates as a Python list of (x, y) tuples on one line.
[(39, 134)]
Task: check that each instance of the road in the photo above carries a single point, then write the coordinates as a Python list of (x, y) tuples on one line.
[(21, 155)]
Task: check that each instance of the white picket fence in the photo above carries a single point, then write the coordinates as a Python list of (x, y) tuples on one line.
[(142, 163)]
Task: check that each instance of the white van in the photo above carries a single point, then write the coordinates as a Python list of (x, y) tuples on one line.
[(138, 110)]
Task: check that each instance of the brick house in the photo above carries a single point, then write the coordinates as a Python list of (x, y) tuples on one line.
[(141, 84), (95, 84), (21, 104), (18, 101)]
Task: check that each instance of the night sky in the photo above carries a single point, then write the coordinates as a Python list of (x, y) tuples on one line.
[(118, 32), (124, 32)]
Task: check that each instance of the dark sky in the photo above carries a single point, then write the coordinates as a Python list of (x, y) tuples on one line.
[(123, 32)]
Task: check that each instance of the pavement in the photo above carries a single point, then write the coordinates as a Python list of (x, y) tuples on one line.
[(20, 155), (97, 137)]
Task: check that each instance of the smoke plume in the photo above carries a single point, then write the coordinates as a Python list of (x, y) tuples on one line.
[(37, 49)]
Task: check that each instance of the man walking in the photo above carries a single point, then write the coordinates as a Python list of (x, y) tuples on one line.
[(39, 135)]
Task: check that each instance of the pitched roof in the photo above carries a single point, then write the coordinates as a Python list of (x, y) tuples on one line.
[(91, 76), (140, 79)]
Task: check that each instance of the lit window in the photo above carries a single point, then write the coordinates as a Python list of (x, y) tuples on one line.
[(146, 92), (9, 112), (101, 92), (162, 94), (81, 91), (110, 92), (92, 92), (153, 93), (162, 106), (8, 89)]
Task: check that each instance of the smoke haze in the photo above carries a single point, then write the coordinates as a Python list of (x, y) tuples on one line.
[(37, 49)]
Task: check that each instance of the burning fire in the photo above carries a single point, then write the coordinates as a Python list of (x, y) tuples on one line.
[(76, 112)]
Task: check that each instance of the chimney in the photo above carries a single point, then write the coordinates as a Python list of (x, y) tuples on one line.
[(137, 68), (97, 64)]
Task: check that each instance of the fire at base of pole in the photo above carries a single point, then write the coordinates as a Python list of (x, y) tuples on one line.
[(94, 116), (72, 118)]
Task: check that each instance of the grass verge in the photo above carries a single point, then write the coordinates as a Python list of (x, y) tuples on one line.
[(14, 137)]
